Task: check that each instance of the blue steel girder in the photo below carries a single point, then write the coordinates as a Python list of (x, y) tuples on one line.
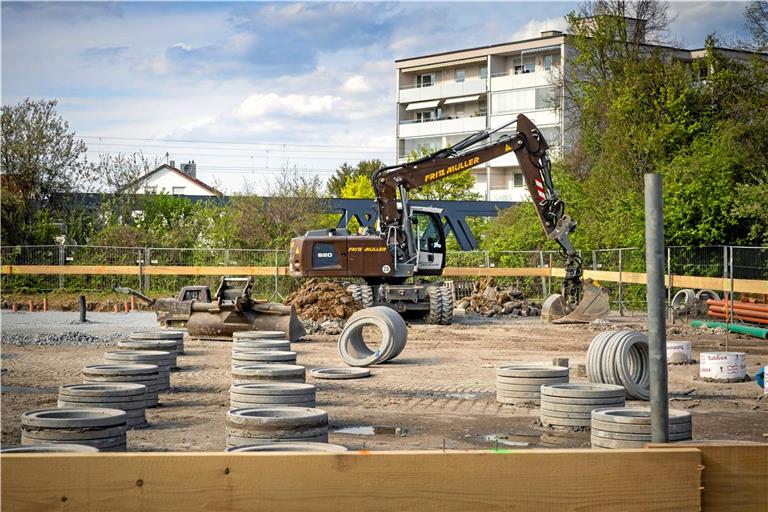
[(455, 214)]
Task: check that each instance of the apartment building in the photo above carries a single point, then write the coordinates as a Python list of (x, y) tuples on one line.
[(443, 98)]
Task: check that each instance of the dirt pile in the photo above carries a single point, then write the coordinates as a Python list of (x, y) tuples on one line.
[(488, 299), (322, 300)]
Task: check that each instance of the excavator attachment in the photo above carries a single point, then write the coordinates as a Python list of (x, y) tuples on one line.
[(594, 304), (229, 311)]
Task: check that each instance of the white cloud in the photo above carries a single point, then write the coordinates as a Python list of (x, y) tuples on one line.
[(298, 105), (356, 84), (534, 28)]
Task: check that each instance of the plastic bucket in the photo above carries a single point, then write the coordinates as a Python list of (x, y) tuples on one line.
[(723, 365)]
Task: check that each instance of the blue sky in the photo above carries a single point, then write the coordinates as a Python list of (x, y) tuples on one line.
[(293, 84)]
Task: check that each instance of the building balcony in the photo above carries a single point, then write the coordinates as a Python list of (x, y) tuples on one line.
[(441, 126), (442, 90), (506, 81)]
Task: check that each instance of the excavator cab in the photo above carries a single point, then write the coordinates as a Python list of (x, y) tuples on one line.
[(430, 240)]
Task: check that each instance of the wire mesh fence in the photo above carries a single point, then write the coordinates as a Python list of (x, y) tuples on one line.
[(710, 261)]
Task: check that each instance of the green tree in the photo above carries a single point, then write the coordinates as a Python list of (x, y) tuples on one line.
[(358, 187), (40, 157), (347, 172)]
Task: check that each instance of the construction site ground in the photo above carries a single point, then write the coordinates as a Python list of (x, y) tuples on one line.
[(438, 393)]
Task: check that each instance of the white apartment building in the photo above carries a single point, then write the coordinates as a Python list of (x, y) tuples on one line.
[(443, 98)]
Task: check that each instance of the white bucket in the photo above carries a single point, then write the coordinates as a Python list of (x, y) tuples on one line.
[(723, 365), (678, 351)]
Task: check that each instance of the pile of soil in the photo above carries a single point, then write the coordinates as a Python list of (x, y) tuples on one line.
[(488, 299), (322, 300)]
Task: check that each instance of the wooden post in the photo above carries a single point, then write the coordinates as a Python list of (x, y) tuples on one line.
[(45, 303), (116, 308), (14, 307), (133, 303), (125, 306), (31, 306)]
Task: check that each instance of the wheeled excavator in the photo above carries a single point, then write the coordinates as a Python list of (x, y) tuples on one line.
[(410, 240)]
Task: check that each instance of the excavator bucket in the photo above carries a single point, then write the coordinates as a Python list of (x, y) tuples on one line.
[(594, 304), (220, 324)]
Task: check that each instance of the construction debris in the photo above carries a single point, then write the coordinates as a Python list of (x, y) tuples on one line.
[(488, 299), (322, 306)]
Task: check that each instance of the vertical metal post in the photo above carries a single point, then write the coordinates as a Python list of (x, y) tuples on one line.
[(147, 285), (594, 260), (82, 309), (730, 272), (657, 342), (669, 285), (621, 304), (487, 259), (725, 261), (544, 290), (62, 262)]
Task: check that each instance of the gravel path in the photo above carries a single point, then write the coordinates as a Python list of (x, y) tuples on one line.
[(64, 328)]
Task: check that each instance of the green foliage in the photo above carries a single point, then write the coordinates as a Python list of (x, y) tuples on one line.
[(40, 157), (358, 187), (124, 236), (346, 173)]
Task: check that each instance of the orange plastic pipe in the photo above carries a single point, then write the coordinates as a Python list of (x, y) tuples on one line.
[(738, 305), (739, 317), (724, 310)]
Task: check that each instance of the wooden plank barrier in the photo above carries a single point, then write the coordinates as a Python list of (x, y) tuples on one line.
[(735, 476), (715, 283), (557, 480)]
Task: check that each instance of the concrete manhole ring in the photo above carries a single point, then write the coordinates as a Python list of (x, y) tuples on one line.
[(340, 373)]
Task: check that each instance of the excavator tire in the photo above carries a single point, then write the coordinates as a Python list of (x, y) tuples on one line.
[(356, 292), (446, 316), (435, 314), (366, 296)]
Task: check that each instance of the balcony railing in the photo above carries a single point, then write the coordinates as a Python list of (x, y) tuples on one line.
[(409, 94), (481, 113)]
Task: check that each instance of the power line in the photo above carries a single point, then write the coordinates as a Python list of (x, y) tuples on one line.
[(243, 157), (231, 142)]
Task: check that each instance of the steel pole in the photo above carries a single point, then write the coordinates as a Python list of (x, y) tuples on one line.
[(657, 342)]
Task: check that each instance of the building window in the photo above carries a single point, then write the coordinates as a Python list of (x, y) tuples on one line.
[(459, 75), (483, 72), (427, 80), (420, 146), (703, 72), (525, 67), (548, 62), (517, 180), (177, 191), (545, 98)]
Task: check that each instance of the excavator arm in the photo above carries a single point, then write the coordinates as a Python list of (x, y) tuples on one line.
[(529, 147)]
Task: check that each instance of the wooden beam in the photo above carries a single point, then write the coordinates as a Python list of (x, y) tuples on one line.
[(160, 270), (494, 271), (735, 476), (74, 270), (561, 480)]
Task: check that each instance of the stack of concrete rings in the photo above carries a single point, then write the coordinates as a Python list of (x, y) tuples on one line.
[(272, 394), (159, 358), (631, 428), (261, 345), (98, 427), (146, 374), (394, 335), (249, 373), (169, 346), (129, 398), (255, 356), (253, 426), (517, 383), (177, 336), (291, 447), (571, 405), (620, 358)]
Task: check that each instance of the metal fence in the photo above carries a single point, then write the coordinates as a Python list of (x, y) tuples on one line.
[(711, 261)]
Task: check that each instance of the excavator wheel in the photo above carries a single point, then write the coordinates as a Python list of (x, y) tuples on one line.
[(446, 317), (363, 295), (366, 295), (435, 314)]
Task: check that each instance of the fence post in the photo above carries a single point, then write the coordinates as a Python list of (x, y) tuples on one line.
[(594, 260), (725, 261), (140, 261), (226, 256), (487, 259), (621, 305), (730, 271), (669, 286), (544, 289), (62, 262), (148, 262)]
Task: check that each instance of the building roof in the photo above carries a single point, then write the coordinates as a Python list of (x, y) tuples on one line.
[(177, 171)]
